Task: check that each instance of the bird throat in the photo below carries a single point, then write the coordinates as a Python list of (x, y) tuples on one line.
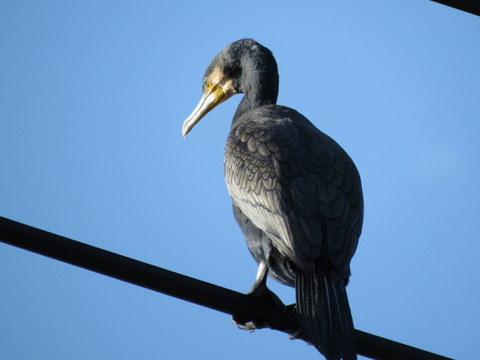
[(252, 100)]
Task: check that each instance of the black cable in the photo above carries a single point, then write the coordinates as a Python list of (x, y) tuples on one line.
[(471, 6), (182, 287)]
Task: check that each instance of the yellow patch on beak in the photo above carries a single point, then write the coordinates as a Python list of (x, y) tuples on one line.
[(216, 90)]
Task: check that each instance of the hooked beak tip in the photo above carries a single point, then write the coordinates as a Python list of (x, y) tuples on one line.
[(186, 129)]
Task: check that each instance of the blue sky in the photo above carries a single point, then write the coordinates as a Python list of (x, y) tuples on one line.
[(92, 99)]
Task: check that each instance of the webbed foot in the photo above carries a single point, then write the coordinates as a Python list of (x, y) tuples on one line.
[(265, 298)]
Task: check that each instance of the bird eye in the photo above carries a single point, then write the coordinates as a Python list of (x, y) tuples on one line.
[(205, 82)]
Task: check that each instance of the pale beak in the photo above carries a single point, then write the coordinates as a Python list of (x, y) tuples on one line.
[(210, 98)]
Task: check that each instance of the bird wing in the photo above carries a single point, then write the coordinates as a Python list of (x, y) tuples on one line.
[(296, 184), (260, 246)]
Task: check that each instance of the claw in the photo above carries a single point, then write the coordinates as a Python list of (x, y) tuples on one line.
[(249, 325), (264, 297)]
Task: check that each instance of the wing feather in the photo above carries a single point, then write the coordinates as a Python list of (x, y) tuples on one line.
[(295, 184)]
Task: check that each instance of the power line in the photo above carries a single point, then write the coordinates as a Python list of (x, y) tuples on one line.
[(471, 6), (183, 287)]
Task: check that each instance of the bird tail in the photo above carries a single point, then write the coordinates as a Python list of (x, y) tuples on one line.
[(324, 315)]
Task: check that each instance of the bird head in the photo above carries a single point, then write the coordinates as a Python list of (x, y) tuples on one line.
[(243, 66), (217, 87)]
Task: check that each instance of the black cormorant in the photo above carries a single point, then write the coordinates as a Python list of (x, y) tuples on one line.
[(297, 195)]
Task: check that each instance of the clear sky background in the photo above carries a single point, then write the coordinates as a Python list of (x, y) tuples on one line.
[(92, 99)]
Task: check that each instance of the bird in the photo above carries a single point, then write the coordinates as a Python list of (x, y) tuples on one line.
[(296, 194)]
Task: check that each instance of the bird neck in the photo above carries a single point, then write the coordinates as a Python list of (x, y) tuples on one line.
[(253, 99)]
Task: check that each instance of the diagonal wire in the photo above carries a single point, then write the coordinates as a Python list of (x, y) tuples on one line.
[(183, 287), (471, 6)]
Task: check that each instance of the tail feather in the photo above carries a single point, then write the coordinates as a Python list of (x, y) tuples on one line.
[(324, 315)]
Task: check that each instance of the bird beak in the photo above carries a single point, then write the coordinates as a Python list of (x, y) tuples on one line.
[(211, 97)]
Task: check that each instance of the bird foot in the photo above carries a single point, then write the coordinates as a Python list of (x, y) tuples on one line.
[(291, 312), (265, 298), (250, 326)]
